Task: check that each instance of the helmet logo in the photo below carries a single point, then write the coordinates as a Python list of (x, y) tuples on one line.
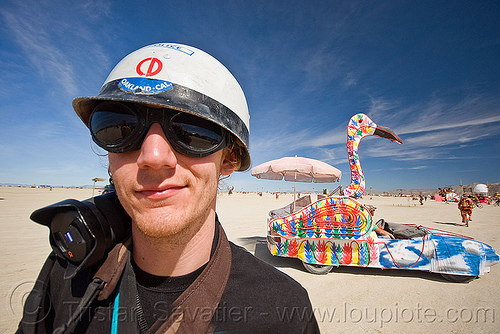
[(154, 67)]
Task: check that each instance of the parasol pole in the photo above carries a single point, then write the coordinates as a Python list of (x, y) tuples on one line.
[(95, 179), (294, 185)]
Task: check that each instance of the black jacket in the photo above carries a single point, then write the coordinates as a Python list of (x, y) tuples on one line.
[(257, 299)]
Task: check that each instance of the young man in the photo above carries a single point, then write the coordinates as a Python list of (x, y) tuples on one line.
[(174, 120)]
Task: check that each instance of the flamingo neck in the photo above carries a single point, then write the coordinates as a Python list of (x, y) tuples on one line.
[(358, 185)]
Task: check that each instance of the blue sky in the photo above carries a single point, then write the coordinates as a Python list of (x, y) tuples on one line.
[(429, 70)]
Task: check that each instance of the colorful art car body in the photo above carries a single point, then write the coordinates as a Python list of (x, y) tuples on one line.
[(339, 230)]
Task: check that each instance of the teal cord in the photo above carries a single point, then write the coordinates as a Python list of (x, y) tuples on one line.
[(114, 321)]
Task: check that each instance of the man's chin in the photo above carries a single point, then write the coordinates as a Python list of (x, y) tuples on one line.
[(169, 222)]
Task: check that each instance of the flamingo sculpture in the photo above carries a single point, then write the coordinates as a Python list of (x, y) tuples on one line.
[(333, 222), (361, 126), (339, 230)]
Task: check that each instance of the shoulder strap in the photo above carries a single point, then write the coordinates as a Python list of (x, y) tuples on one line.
[(111, 270), (103, 284), (195, 307), (90, 294), (203, 294)]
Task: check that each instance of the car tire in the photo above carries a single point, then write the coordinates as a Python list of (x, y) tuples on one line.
[(318, 269), (458, 278)]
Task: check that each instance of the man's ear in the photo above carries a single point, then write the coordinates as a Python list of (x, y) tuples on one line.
[(230, 161)]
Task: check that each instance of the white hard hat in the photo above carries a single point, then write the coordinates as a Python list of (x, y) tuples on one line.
[(180, 77)]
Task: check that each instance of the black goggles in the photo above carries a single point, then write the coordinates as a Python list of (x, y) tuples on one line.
[(119, 127)]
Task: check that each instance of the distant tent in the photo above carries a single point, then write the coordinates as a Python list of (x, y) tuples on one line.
[(481, 189), (438, 198)]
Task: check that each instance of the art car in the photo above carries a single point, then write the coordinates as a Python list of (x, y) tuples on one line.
[(338, 230)]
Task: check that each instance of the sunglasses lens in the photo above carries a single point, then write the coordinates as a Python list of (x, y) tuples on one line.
[(111, 125), (117, 128), (196, 135)]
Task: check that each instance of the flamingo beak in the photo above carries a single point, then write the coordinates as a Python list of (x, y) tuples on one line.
[(385, 132)]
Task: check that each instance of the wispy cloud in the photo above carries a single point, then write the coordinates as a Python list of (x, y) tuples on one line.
[(401, 168), (323, 66), (32, 36), (438, 114), (425, 128), (52, 41), (350, 80)]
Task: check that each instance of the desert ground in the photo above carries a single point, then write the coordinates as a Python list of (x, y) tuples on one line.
[(347, 300)]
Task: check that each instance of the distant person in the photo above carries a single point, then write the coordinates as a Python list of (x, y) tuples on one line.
[(496, 198), (465, 206), (174, 121)]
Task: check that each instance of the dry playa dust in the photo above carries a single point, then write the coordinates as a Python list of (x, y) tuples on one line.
[(347, 300)]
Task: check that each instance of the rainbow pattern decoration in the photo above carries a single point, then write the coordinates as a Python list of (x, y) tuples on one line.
[(339, 230), (335, 230), (331, 231), (329, 218), (361, 126), (347, 244)]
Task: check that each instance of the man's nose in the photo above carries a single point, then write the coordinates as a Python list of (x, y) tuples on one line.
[(156, 152)]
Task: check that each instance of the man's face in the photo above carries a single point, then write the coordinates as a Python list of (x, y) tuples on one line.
[(166, 193)]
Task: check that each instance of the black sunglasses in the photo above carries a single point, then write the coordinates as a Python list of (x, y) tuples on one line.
[(119, 127)]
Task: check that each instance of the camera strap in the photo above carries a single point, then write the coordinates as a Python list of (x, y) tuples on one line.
[(204, 294), (190, 309), (102, 286)]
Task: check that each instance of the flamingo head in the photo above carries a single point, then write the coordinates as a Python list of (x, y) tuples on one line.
[(361, 126)]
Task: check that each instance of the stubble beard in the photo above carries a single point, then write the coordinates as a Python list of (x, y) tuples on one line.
[(171, 225)]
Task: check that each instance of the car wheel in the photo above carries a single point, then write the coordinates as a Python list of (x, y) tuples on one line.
[(319, 269), (458, 278)]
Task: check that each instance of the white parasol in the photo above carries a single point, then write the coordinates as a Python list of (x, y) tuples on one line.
[(297, 169)]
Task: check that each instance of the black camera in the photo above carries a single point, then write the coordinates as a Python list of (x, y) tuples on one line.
[(82, 232)]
